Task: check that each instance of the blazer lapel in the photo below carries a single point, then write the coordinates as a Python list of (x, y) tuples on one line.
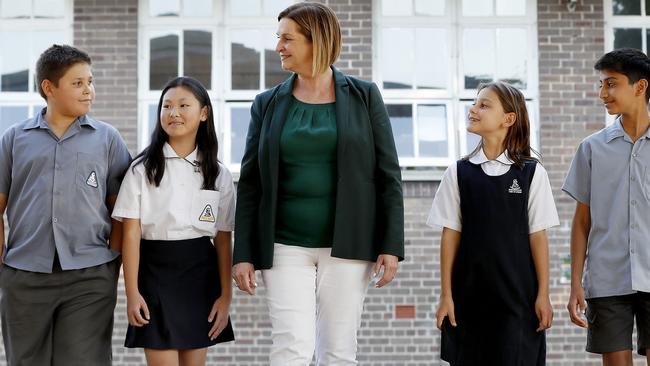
[(342, 92), (279, 115)]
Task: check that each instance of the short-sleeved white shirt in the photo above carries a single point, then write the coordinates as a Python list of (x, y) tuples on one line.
[(445, 211), (178, 209)]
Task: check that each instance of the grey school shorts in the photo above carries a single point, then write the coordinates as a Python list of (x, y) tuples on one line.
[(611, 322), (64, 318)]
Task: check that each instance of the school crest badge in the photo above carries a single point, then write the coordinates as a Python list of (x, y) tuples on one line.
[(206, 214), (92, 180), (514, 188)]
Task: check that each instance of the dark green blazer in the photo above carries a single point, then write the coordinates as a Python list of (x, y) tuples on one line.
[(369, 218)]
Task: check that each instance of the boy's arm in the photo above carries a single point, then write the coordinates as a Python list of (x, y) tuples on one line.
[(539, 251), (3, 206), (115, 240), (579, 236)]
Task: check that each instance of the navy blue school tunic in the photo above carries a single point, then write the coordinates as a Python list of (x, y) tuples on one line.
[(494, 283)]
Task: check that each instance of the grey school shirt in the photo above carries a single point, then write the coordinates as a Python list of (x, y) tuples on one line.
[(611, 174), (57, 190)]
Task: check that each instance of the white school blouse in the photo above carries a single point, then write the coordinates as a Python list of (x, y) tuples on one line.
[(178, 209), (445, 211)]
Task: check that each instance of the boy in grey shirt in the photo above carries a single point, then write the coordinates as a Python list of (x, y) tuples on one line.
[(60, 173), (609, 180)]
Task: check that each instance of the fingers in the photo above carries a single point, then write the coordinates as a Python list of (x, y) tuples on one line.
[(452, 317), (545, 319), (440, 317), (389, 263), (245, 280), (576, 308), (220, 323), (135, 315)]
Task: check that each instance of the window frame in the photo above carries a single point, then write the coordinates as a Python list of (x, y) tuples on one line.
[(456, 95)]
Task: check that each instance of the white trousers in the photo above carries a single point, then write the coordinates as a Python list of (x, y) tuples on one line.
[(315, 302)]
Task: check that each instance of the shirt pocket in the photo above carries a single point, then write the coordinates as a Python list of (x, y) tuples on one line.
[(90, 175), (204, 212)]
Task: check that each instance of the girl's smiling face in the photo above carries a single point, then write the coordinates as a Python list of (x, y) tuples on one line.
[(486, 116), (181, 113)]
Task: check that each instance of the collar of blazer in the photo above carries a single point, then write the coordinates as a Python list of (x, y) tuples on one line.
[(280, 107)]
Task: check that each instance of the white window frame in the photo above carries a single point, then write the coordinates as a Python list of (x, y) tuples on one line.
[(623, 21), (31, 99), (221, 23), (456, 96)]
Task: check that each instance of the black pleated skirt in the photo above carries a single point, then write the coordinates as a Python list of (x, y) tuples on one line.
[(179, 280)]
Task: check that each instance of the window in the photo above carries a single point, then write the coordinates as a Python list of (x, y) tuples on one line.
[(228, 45), (626, 25), (431, 55), (27, 28)]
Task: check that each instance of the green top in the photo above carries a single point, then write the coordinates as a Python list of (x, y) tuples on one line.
[(307, 181)]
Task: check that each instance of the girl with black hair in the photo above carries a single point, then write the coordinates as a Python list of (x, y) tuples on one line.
[(174, 199)]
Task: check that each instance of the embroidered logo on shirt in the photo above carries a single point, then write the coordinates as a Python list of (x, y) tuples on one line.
[(206, 215), (92, 180), (514, 188)]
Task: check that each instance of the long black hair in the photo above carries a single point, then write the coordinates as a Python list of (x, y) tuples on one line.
[(206, 138)]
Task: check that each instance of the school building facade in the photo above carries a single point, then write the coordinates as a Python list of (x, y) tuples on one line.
[(427, 56)]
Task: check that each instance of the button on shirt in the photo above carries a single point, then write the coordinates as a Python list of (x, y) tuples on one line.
[(445, 210), (56, 192), (179, 208), (609, 173)]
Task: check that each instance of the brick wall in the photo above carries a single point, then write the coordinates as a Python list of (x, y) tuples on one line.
[(107, 30)]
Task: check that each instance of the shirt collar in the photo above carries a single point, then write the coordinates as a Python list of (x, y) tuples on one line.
[(39, 121), (169, 153), (616, 130), (480, 158)]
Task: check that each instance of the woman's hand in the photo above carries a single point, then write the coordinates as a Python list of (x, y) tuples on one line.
[(244, 276), (220, 312), (389, 262), (135, 307), (544, 312), (445, 309)]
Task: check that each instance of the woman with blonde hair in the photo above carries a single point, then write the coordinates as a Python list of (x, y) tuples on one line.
[(320, 208)]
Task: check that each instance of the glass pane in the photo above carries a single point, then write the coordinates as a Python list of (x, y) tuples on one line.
[(477, 8), (164, 8), (245, 8), (239, 119), (396, 7), (647, 7), (471, 139), (511, 66), (245, 60), (14, 65), (15, 9), (626, 7), (432, 131), (401, 120), (430, 7), (431, 44), (153, 118), (274, 7), (163, 63), (49, 8), (273, 72), (511, 7), (478, 56), (197, 8), (627, 37), (198, 56), (11, 115), (397, 46)]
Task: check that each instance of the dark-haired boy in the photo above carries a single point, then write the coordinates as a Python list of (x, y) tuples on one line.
[(610, 180), (59, 176)]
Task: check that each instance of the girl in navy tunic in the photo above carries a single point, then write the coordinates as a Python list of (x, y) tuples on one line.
[(177, 203), (495, 206)]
